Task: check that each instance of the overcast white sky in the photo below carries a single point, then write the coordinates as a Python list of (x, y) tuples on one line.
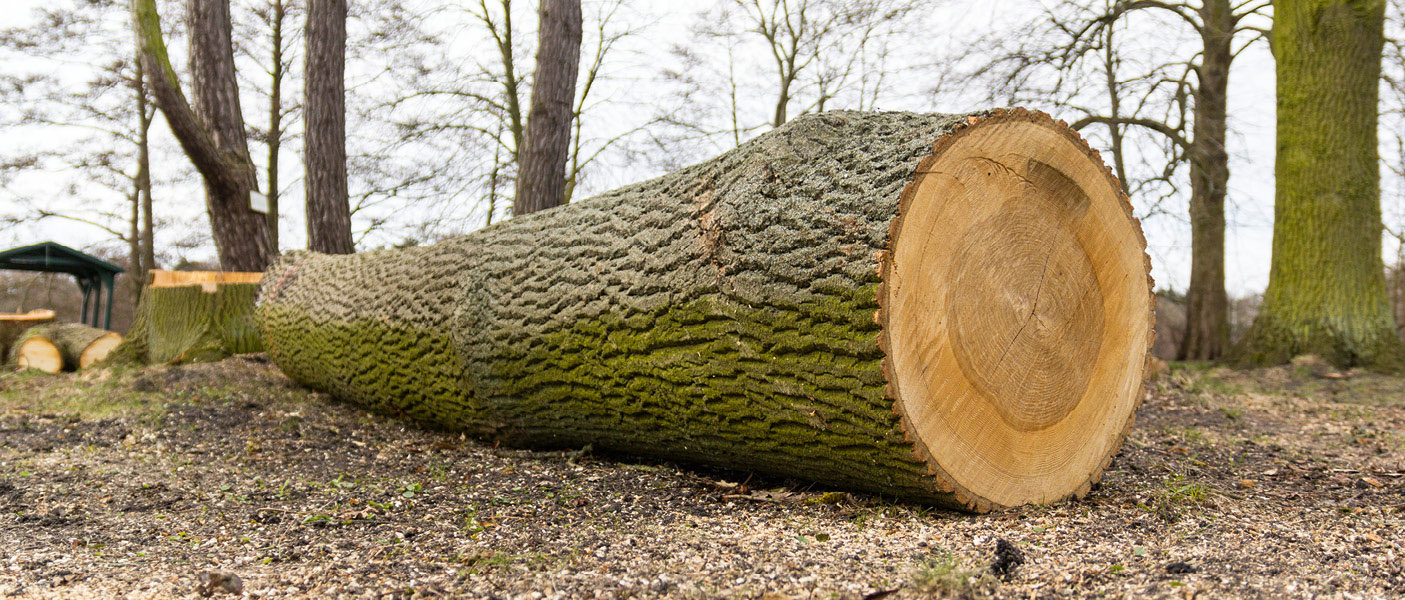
[(1251, 146)]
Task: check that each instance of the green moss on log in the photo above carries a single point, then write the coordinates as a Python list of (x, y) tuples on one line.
[(72, 339)]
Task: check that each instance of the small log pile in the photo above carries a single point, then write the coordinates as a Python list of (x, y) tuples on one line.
[(62, 347)]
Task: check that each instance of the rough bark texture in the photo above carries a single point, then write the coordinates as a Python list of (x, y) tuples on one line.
[(241, 235), (211, 130), (182, 324), (1207, 305), (722, 314), (1326, 293), (328, 214), (725, 314), (541, 171), (148, 220)]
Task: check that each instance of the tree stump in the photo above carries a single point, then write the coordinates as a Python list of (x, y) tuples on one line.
[(193, 316)]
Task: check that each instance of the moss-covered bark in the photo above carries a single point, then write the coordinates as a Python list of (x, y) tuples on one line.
[(722, 314), (72, 339), (181, 324), (1326, 292)]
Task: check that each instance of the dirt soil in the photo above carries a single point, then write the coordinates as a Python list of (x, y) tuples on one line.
[(229, 479)]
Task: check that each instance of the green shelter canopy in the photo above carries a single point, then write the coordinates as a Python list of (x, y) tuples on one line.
[(95, 276)]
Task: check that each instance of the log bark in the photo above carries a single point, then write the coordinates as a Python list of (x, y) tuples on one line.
[(951, 309), (186, 317)]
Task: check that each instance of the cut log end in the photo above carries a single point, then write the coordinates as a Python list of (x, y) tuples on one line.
[(98, 349), (38, 353), (1017, 312)]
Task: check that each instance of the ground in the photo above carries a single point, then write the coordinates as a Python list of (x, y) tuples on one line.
[(1283, 482)]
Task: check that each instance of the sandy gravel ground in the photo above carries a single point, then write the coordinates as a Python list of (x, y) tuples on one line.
[(229, 479)]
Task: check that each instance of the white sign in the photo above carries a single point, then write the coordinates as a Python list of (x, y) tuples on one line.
[(258, 202)]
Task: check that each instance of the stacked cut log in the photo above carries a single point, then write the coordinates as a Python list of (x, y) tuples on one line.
[(193, 316), (62, 347), (13, 324), (952, 309)]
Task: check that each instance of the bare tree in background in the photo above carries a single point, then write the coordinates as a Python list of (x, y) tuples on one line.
[(472, 109), (212, 130), (143, 247), (324, 111), (808, 37), (1073, 45), (111, 108), (541, 176), (818, 54), (1392, 130), (266, 36)]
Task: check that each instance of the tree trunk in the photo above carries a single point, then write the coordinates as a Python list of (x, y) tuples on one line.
[(1115, 130), (141, 190), (512, 92), (328, 214), (1207, 305), (838, 300), (148, 221), (275, 122), (1326, 292), (134, 268), (241, 235), (211, 130), (541, 169)]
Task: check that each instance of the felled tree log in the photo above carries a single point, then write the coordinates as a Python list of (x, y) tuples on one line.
[(952, 309), (193, 316), (13, 324), (63, 346), (81, 345), (34, 350)]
